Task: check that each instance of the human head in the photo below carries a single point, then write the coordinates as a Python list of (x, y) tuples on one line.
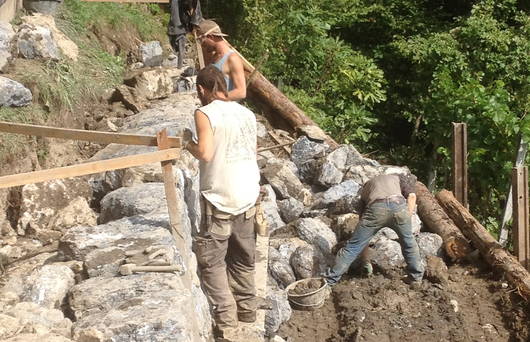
[(209, 33), (211, 85)]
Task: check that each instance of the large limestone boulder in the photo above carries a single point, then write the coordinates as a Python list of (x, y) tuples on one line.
[(48, 285), (318, 234), (279, 313), (285, 183), (141, 307), (307, 262), (280, 269), (31, 318), (131, 201), (304, 149), (43, 205), (37, 42), (6, 37), (13, 94), (67, 47), (335, 193), (151, 54), (271, 210)]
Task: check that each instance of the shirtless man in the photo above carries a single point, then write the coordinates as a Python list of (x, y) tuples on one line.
[(218, 53)]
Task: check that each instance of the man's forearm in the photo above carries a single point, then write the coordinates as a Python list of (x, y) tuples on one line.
[(411, 203)]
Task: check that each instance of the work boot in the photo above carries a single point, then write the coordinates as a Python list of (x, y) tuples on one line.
[(414, 284), (246, 316), (368, 269)]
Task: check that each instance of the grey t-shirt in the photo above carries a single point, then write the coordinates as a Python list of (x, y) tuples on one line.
[(383, 186)]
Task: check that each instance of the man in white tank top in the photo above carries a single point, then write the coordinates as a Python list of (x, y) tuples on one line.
[(229, 184)]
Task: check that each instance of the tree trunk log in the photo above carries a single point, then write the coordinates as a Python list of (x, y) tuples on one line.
[(490, 249), (436, 221), (264, 92)]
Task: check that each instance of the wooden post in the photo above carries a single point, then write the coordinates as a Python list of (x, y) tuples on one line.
[(174, 208), (508, 208), (521, 232), (199, 50), (459, 174)]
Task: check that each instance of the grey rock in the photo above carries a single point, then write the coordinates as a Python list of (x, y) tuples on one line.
[(361, 173), (76, 213), (314, 213), (318, 234), (280, 269), (328, 197), (339, 157), (270, 210), (37, 42), (48, 7), (307, 262), (140, 307), (6, 37), (281, 310), (32, 317), (261, 130), (390, 169), (304, 150), (430, 244), (151, 53), (104, 262), (43, 203), (345, 205), (345, 224), (416, 224), (385, 232), (387, 254), (131, 201), (149, 84), (329, 175), (49, 285), (309, 171), (26, 337), (290, 209), (285, 183), (13, 94)]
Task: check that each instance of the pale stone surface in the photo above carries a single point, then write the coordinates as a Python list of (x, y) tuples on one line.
[(285, 183), (318, 234), (37, 42), (34, 318), (6, 37), (131, 201), (47, 286), (346, 188), (142, 307), (270, 210), (329, 175), (280, 312), (280, 269), (66, 45), (38, 338), (13, 94), (42, 201), (307, 262), (151, 53), (290, 209), (77, 212), (303, 150)]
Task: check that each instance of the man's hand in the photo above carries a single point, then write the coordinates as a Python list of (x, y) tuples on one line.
[(187, 137)]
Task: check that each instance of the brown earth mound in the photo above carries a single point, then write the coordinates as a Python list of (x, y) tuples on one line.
[(475, 305)]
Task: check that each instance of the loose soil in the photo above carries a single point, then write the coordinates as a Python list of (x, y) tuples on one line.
[(306, 287), (474, 305)]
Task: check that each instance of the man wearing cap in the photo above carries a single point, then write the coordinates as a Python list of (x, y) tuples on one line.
[(386, 201), (217, 52), (229, 185)]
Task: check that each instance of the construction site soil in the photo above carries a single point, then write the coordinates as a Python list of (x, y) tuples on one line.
[(475, 305)]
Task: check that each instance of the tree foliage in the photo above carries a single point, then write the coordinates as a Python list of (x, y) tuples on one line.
[(394, 74)]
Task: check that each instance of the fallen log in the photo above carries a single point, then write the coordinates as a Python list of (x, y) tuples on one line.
[(436, 220), (491, 250), (265, 93)]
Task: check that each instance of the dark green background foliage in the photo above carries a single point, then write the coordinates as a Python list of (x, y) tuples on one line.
[(391, 76)]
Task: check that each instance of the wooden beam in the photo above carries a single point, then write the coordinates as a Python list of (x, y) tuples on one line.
[(459, 173), (79, 134), (521, 233), (88, 168), (490, 249)]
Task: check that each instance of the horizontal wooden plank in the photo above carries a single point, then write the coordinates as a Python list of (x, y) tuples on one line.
[(79, 134), (131, 1), (88, 168)]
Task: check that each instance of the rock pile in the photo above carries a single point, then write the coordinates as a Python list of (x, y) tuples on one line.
[(312, 205)]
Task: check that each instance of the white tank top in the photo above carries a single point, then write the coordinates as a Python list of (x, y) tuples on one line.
[(230, 181)]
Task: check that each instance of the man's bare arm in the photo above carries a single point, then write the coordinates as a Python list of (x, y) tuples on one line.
[(204, 149), (411, 202), (237, 75)]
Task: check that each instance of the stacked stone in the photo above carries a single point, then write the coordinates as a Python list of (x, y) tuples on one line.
[(312, 206)]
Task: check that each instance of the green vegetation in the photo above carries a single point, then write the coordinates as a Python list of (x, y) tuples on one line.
[(67, 85), (392, 75)]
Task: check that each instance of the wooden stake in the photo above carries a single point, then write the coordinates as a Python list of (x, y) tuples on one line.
[(521, 233), (460, 162)]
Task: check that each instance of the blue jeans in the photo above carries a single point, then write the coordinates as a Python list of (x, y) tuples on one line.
[(377, 215)]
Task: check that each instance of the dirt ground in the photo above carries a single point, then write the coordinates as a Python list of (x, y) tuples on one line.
[(475, 305)]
